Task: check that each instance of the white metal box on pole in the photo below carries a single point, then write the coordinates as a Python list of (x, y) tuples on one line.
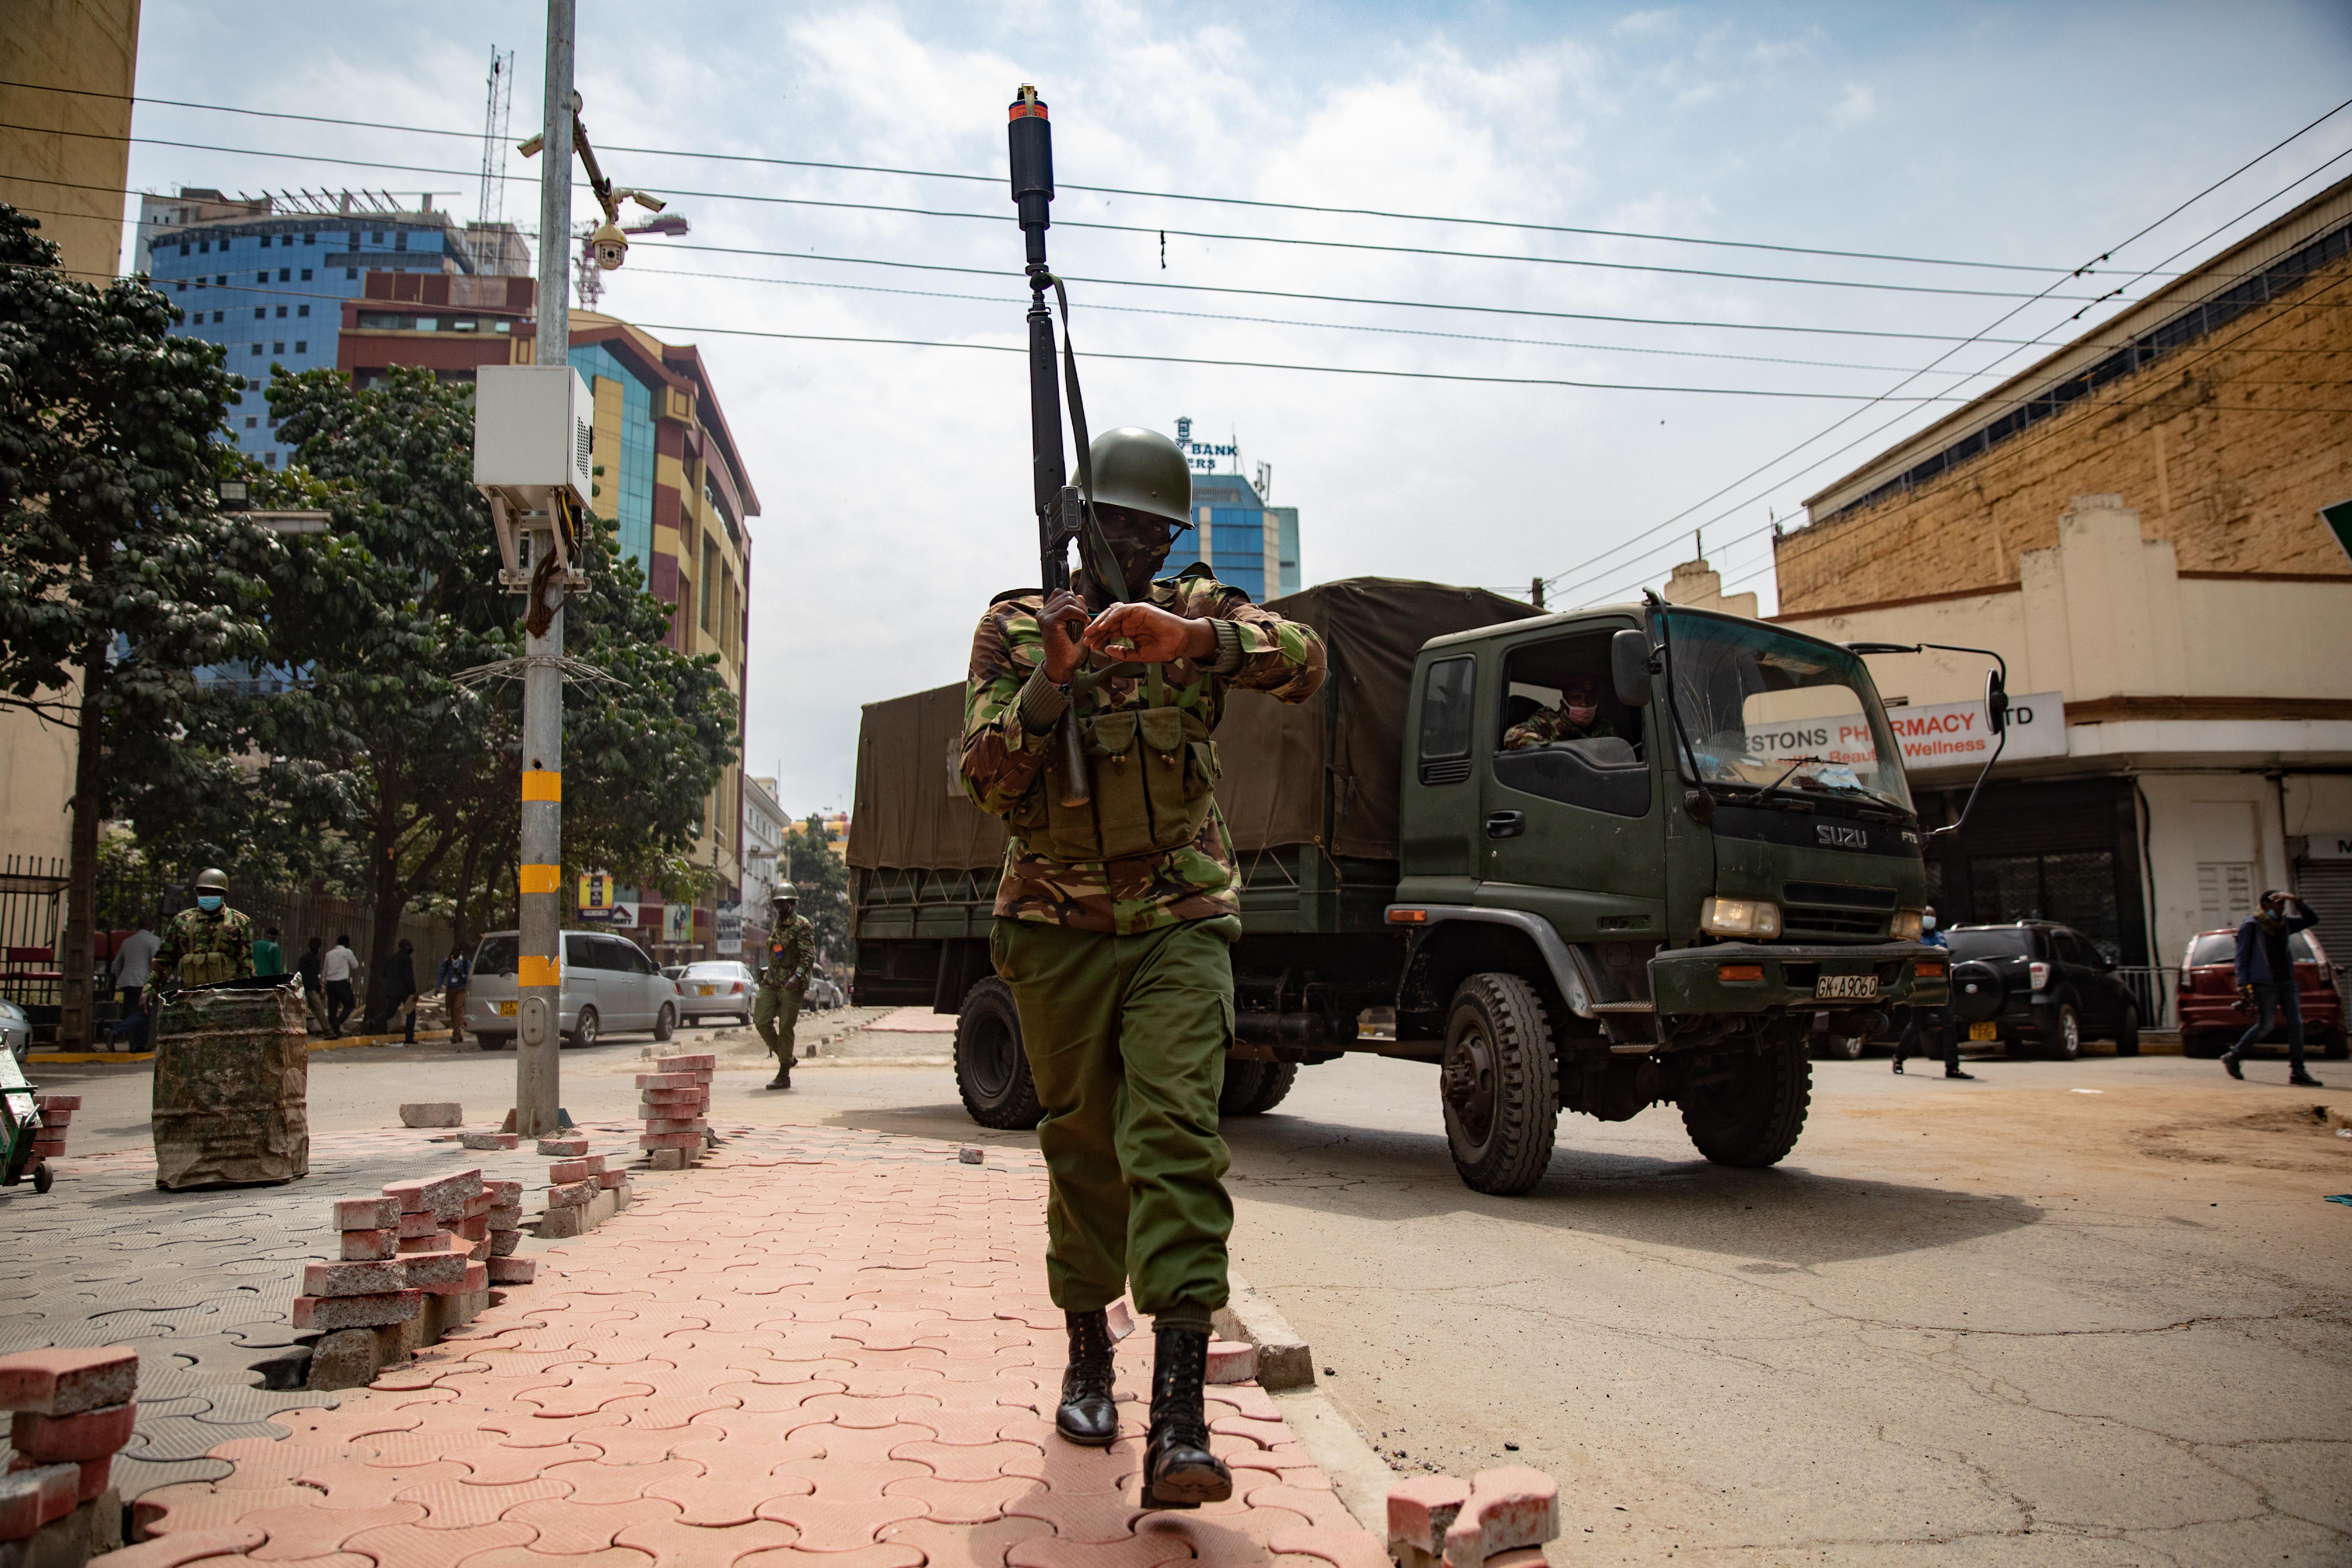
[(533, 433)]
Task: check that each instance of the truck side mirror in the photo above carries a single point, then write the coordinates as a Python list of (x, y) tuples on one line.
[(1996, 703), (1630, 667)]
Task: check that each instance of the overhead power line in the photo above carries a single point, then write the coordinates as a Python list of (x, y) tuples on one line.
[(756, 159), (2137, 234), (952, 214)]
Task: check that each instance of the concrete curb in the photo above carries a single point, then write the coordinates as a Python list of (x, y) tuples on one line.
[(1360, 1477), (1283, 1358)]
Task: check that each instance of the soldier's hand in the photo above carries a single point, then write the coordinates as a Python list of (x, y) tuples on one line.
[(1146, 634), (1061, 620)]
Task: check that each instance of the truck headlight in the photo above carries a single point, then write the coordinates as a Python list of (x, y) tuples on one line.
[(1739, 917), (1907, 925)]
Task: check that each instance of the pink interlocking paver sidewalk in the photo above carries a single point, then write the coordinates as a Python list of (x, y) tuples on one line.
[(819, 1345)]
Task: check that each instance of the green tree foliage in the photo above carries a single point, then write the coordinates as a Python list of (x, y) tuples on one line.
[(118, 576), (380, 743), (822, 879)]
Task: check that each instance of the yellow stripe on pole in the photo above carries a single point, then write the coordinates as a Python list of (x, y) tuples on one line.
[(534, 970), (540, 784), (541, 879)]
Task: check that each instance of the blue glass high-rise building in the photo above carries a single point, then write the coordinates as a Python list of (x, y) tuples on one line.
[(1248, 544), (265, 277)]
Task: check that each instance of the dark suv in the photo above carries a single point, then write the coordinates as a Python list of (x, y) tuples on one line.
[(2039, 986)]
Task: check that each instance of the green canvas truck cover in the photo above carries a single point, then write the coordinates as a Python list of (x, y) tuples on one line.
[(911, 812)]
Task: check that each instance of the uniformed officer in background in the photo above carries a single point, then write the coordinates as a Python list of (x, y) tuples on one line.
[(792, 945), (1114, 921), (1578, 718), (206, 943)]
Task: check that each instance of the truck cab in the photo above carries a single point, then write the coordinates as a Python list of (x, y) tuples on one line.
[(1664, 910)]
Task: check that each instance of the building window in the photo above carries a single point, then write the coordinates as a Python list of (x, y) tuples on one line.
[(285, 275), (183, 286), (217, 315), (301, 345), (203, 245), (400, 239), (220, 280), (251, 423), (278, 348), (269, 459), (301, 309), (257, 349), (309, 239), (306, 278), (184, 248), (376, 238), (261, 312), (709, 582), (281, 311), (261, 277), (265, 242), (350, 272)]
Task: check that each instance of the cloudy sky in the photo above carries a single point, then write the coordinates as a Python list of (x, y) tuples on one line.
[(1722, 382)]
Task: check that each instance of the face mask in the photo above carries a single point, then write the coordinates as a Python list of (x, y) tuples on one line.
[(1926, 922), (208, 902), (1582, 712)]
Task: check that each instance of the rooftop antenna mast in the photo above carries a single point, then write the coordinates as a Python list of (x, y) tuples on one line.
[(496, 114)]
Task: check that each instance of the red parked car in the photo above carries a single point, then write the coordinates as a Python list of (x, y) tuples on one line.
[(2212, 1014)]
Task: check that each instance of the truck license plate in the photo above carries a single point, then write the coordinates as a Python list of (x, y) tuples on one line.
[(506, 1009), (1845, 987)]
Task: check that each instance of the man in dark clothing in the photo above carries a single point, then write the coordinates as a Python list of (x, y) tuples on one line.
[(1919, 1020), (396, 986), (2266, 978), (314, 996)]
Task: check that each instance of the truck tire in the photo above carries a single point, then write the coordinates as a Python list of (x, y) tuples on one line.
[(1274, 1083), (991, 1069), (1242, 1081), (1753, 1119), (1838, 1047), (2335, 1045), (1500, 1081)]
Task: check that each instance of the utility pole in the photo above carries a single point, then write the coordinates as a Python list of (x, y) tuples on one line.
[(539, 966), (1535, 591)]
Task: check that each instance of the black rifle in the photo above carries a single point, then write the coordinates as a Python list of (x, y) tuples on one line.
[(1064, 511)]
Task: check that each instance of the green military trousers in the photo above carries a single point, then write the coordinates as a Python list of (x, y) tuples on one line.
[(1126, 1038), (773, 1015)]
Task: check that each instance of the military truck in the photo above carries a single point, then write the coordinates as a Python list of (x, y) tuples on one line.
[(1664, 912)]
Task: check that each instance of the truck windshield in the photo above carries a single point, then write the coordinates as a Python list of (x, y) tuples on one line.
[(1765, 712)]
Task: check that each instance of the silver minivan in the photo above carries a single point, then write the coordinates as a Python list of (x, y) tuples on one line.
[(610, 987)]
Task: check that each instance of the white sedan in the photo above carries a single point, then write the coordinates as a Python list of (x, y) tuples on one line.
[(718, 986)]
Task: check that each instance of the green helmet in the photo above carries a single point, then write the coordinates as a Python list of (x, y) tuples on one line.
[(214, 878), (1144, 471), (785, 893)]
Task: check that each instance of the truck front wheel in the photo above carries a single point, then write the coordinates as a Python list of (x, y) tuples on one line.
[(1501, 1085), (991, 1069), (1255, 1087), (1752, 1117)]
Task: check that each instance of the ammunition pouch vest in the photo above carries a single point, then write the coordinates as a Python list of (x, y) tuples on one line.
[(205, 968), (1152, 773)]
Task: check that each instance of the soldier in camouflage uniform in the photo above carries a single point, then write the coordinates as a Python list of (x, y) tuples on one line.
[(1578, 718), (209, 943), (792, 945), (1114, 921)]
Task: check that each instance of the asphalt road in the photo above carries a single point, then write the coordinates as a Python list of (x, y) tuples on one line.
[(2091, 1312)]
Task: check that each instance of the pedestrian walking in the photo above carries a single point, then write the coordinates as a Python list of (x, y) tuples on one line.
[(792, 944), (2266, 979), (134, 963), (1919, 1020), (268, 958), (1113, 921), (396, 990), (457, 975), (314, 996), (335, 972)]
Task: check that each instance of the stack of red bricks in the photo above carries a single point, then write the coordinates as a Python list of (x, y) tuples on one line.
[(676, 1104), (581, 1195), (73, 1411), (504, 1222), (412, 1242), (57, 1114), (1498, 1518)]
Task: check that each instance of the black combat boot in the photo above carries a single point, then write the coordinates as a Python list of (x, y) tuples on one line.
[(784, 1078), (1179, 1471), (1086, 1414)]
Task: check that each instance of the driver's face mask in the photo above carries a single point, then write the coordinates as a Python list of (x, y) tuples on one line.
[(209, 902)]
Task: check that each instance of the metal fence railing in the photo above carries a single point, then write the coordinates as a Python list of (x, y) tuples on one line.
[(2155, 988)]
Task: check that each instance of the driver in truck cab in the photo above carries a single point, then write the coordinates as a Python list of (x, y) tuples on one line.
[(1578, 718), (1114, 919)]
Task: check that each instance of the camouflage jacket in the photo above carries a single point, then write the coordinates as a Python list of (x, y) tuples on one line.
[(1554, 724), (1004, 762), (198, 948), (791, 947)]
